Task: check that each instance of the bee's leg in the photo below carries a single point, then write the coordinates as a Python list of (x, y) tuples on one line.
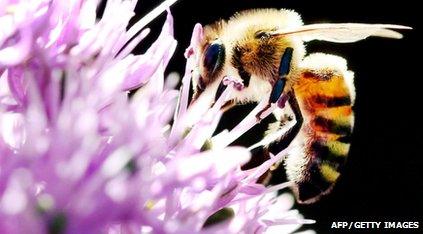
[(258, 156), (228, 105), (262, 153), (258, 115), (277, 146), (279, 86)]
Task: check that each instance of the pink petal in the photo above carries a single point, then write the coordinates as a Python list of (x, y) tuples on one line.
[(17, 53)]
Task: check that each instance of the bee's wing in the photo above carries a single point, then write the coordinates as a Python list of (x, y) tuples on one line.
[(343, 32)]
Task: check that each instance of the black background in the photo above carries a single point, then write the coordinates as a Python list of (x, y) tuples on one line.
[(382, 180)]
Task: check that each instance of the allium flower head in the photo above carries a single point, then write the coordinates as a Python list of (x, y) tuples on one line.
[(77, 155)]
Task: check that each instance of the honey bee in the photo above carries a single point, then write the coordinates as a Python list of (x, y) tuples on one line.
[(264, 49)]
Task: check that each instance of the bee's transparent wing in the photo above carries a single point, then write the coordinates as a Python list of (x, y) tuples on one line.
[(343, 32)]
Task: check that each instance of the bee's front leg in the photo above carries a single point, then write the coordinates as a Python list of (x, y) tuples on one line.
[(279, 85), (258, 115)]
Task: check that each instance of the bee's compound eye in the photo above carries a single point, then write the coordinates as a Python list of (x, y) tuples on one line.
[(214, 57)]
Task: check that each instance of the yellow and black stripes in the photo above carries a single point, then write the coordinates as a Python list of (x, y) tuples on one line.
[(340, 126), (328, 101), (326, 104)]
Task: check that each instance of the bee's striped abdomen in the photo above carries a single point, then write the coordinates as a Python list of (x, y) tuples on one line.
[(325, 95)]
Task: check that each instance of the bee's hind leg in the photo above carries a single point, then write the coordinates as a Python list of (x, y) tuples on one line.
[(279, 86)]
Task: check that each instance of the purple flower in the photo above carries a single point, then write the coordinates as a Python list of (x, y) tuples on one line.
[(77, 155)]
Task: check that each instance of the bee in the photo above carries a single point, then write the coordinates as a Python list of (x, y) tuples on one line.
[(264, 49)]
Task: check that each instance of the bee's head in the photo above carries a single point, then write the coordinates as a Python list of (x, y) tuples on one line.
[(246, 48), (210, 58)]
